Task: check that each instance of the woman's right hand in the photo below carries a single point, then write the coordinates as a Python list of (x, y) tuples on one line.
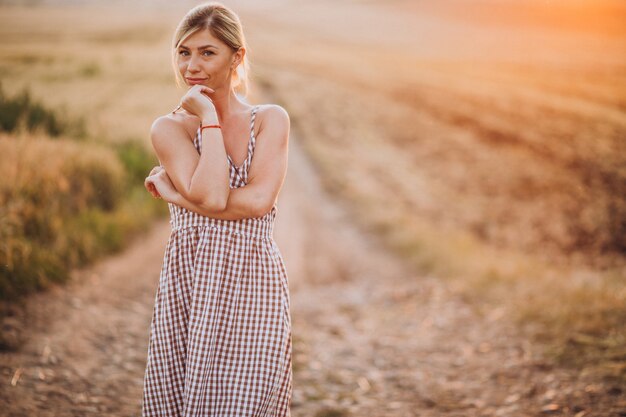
[(197, 102)]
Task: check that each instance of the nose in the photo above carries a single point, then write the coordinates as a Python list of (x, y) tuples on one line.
[(192, 66)]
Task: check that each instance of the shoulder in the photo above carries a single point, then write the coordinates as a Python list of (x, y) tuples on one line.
[(171, 126), (273, 117), (272, 112)]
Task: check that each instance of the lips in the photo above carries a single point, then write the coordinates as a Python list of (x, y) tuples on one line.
[(196, 80)]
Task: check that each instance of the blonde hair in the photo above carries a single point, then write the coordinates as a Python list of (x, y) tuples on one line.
[(225, 25)]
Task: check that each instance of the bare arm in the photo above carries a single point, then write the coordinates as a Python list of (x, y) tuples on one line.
[(265, 176), (201, 179)]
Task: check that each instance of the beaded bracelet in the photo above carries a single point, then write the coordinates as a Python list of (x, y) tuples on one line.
[(204, 127)]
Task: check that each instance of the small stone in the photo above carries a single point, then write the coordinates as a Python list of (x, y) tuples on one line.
[(512, 398), (549, 394), (549, 408)]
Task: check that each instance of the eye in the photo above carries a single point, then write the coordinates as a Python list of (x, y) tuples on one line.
[(208, 52), (182, 51)]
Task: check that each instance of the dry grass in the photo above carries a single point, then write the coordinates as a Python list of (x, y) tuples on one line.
[(48, 187), (65, 202), (560, 297), (503, 174), (108, 67)]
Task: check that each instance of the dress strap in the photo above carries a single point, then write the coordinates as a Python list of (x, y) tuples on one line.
[(252, 136), (254, 110), (251, 143)]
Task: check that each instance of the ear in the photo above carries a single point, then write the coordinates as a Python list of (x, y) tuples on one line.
[(238, 57)]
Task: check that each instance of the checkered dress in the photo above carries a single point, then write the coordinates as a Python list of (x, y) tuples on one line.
[(220, 337)]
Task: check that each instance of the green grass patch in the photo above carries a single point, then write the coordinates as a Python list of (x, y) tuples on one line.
[(22, 113)]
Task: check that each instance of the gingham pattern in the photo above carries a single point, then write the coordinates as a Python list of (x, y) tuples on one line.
[(220, 337)]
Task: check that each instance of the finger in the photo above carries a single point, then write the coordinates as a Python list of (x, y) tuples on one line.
[(149, 183), (156, 193), (152, 189)]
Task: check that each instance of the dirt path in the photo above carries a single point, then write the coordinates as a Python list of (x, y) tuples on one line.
[(370, 337)]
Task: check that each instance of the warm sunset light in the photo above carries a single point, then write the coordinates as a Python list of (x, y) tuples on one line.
[(601, 17), (449, 238)]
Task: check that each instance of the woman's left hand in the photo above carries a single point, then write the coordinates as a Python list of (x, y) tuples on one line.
[(149, 185), (162, 183)]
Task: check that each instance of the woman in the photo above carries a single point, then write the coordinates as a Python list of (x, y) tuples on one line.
[(220, 338)]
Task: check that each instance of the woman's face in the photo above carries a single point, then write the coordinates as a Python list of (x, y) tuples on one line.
[(204, 59)]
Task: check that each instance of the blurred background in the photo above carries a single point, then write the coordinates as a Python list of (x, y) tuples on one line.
[(453, 220)]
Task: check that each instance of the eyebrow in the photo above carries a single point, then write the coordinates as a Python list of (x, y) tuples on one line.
[(199, 47)]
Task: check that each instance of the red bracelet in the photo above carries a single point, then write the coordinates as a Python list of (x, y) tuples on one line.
[(204, 127)]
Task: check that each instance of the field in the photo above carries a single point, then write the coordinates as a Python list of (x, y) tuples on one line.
[(482, 143)]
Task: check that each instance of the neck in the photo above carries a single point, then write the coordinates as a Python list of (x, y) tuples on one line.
[(226, 103)]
